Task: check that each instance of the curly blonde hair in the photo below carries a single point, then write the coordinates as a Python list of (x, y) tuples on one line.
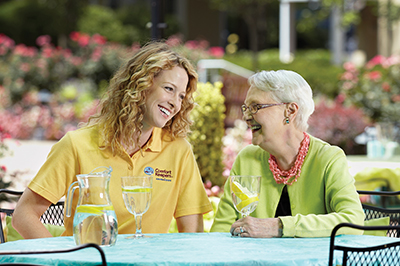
[(123, 106)]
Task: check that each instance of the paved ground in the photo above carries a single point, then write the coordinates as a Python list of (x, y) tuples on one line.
[(27, 157)]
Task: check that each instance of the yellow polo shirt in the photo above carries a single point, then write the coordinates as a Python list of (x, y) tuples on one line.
[(177, 186)]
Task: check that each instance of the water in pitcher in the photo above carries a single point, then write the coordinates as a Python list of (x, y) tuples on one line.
[(95, 224)]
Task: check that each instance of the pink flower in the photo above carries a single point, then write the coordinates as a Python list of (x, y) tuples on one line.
[(349, 66), (3, 168), (191, 44), (47, 52), (74, 36), (340, 98), (173, 40), (348, 85), (203, 44), (6, 41), (347, 76), (396, 98), (98, 39), (96, 55), (43, 40), (23, 50), (83, 40), (20, 49), (66, 53), (135, 46), (215, 190), (25, 67), (377, 60), (373, 75), (393, 60), (76, 61), (386, 86), (208, 184), (217, 51)]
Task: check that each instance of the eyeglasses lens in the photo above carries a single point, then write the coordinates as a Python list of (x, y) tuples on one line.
[(253, 109)]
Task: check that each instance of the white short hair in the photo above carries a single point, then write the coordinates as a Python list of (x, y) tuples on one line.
[(287, 86)]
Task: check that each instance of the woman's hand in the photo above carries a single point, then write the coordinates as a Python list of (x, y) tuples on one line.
[(257, 227)]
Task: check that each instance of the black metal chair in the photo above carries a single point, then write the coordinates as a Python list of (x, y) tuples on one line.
[(53, 215), (80, 247), (384, 254), (374, 212)]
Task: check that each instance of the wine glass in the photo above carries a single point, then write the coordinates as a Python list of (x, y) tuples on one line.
[(245, 190), (136, 191)]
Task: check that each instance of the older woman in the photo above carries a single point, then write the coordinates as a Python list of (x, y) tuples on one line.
[(306, 188), (141, 129)]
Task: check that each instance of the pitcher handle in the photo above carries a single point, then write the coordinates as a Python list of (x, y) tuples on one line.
[(70, 196)]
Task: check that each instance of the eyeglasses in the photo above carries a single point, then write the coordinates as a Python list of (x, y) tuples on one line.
[(255, 107)]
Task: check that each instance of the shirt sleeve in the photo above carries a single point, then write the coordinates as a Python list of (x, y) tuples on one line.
[(58, 171), (193, 198)]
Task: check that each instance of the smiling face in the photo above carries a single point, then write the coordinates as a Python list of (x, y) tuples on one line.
[(164, 98), (267, 124)]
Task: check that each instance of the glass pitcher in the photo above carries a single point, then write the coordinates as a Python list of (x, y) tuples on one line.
[(95, 220)]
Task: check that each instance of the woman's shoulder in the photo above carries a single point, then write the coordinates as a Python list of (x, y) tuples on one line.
[(81, 135), (252, 150), (176, 143), (322, 148)]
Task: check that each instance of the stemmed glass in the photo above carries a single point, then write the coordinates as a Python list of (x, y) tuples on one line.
[(136, 191), (245, 190)]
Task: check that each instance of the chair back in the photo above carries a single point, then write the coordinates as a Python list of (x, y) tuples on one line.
[(53, 215), (80, 247), (385, 254), (374, 212)]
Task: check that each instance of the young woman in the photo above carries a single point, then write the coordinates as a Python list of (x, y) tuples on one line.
[(141, 129)]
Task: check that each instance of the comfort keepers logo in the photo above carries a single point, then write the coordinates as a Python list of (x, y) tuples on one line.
[(163, 175)]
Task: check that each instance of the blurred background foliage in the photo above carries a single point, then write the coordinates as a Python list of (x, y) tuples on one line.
[(208, 130), (58, 18)]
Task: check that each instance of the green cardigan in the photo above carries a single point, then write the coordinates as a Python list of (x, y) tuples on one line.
[(323, 196)]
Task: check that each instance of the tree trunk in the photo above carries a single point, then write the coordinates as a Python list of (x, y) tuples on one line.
[(251, 21)]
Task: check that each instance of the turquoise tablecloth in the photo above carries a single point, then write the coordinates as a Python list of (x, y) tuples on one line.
[(191, 249)]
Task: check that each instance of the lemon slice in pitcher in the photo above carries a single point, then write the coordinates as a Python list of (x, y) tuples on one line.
[(97, 210)]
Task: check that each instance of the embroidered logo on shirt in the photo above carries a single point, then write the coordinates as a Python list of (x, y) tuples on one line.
[(148, 170), (163, 175)]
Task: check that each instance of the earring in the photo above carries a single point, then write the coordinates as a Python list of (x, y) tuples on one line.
[(287, 120)]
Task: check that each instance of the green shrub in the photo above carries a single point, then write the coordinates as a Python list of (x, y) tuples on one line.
[(208, 130), (314, 65), (103, 20)]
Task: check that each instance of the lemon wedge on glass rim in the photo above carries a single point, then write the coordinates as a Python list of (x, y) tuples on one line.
[(136, 189), (244, 195)]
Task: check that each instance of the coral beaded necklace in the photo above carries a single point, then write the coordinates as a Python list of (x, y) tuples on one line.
[(284, 176)]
